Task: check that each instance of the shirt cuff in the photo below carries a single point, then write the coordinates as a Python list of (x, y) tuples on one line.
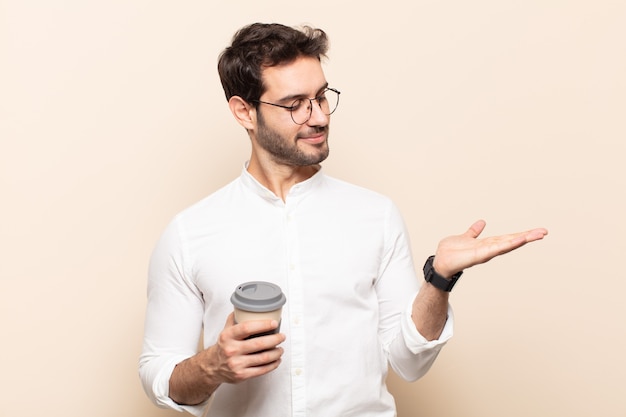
[(414, 340), (161, 389)]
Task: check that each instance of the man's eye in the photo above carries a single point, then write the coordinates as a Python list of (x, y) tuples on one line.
[(297, 104)]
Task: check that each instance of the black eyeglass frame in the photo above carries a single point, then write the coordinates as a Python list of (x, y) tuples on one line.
[(292, 107)]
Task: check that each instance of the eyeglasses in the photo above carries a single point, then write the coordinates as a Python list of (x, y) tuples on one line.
[(302, 108)]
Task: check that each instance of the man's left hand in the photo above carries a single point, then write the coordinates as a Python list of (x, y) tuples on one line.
[(456, 253)]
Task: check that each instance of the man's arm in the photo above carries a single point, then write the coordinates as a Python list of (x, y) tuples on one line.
[(454, 254), (233, 359)]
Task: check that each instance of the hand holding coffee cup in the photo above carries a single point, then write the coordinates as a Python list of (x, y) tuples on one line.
[(258, 300), (234, 358)]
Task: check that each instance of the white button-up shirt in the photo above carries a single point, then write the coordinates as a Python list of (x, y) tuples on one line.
[(341, 255)]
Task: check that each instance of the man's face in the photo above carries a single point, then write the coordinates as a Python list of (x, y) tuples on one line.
[(276, 134)]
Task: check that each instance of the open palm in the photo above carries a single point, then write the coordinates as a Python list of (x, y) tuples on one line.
[(459, 252)]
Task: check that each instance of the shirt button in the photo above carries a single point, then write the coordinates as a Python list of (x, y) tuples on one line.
[(298, 372), (296, 321), (292, 267)]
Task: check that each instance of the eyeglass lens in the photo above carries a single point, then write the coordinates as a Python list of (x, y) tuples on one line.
[(302, 109)]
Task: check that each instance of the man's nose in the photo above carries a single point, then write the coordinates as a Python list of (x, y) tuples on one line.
[(318, 117)]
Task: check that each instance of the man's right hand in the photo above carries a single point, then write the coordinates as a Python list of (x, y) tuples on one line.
[(234, 358)]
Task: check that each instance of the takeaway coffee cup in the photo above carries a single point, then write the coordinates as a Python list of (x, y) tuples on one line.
[(258, 300)]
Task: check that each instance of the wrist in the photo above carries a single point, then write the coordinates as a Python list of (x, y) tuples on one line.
[(444, 281), (193, 380), (441, 271)]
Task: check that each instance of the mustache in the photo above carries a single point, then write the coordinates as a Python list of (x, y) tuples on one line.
[(316, 130)]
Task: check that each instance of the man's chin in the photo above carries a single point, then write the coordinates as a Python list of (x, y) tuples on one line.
[(320, 154), (307, 160)]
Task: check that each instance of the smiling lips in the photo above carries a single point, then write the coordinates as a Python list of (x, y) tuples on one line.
[(314, 140), (315, 137)]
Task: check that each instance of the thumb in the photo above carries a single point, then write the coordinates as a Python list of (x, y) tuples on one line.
[(476, 229), (230, 320)]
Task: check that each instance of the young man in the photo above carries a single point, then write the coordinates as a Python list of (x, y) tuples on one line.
[(339, 252)]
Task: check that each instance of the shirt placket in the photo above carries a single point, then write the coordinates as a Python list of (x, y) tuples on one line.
[(295, 297)]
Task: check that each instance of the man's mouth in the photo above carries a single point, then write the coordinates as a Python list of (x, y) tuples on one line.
[(314, 138)]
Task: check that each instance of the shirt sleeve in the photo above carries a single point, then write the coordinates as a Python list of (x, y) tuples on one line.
[(413, 354), (173, 320), (409, 353)]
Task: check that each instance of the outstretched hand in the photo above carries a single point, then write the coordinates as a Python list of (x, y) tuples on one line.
[(456, 253)]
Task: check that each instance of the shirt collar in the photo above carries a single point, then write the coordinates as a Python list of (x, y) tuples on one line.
[(298, 190)]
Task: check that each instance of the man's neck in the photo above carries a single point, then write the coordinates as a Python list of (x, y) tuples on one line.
[(280, 178)]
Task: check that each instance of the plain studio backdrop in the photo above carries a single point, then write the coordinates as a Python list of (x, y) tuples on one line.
[(113, 119)]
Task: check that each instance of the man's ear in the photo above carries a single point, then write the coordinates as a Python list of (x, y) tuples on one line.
[(243, 111)]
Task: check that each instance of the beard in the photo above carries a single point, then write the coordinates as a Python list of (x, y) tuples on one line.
[(285, 150)]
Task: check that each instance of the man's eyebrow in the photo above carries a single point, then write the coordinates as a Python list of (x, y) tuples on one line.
[(293, 97)]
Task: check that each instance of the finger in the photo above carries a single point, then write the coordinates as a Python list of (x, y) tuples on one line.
[(249, 328), (476, 229), (230, 320), (528, 236), (264, 357), (262, 343), (499, 245), (536, 234), (251, 366), (258, 370)]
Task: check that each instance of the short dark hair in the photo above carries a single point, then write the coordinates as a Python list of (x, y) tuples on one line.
[(262, 45)]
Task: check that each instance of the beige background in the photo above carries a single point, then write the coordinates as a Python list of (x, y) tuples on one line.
[(112, 120)]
